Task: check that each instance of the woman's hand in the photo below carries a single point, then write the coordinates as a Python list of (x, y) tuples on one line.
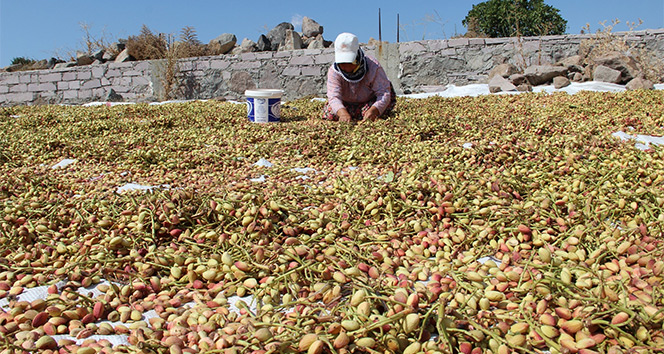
[(371, 114), (343, 115)]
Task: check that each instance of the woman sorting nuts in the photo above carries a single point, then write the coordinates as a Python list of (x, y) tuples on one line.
[(357, 86)]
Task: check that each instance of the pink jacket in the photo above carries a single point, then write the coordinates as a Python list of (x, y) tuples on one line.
[(374, 84)]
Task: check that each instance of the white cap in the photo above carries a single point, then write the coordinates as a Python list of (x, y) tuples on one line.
[(345, 48)]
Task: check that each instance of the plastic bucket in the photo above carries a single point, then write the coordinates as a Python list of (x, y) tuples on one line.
[(263, 105)]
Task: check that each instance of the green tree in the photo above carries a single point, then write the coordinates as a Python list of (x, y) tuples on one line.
[(507, 18)]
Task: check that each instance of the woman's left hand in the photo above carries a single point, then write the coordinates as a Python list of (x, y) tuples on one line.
[(371, 114)]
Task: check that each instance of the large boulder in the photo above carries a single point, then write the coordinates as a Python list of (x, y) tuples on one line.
[(605, 74), (113, 96), (640, 83), (83, 58), (223, 43), (626, 64), (292, 41), (248, 45), (316, 43), (500, 84), (311, 28), (560, 82), (263, 44), (504, 70), (541, 74), (124, 56), (277, 35)]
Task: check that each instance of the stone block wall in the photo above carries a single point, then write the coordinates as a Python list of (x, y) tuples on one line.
[(409, 65)]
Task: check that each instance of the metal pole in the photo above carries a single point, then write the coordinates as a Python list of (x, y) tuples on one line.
[(398, 28), (380, 37)]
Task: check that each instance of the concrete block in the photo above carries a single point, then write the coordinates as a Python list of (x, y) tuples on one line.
[(84, 75), (113, 73), (476, 41), (311, 71), (91, 84), (70, 94), (219, 64), (47, 86), (84, 94), (141, 65), (283, 54), (20, 97), (68, 76), (74, 85), (301, 60), (50, 77), (291, 71), (17, 88), (325, 58), (246, 65), (63, 85), (202, 65), (8, 79), (457, 42), (411, 48), (98, 71), (139, 81), (25, 78), (437, 45)]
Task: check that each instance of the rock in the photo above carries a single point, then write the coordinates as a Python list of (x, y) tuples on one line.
[(560, 82), (277, 35), (500, 84), (316, 43), (223, 43), (504, 70), (524, 87), (248, 45), (577, 77), (311, 28), (83, 59), (113, 96), (54, 61), (639, 83), (64, 65), (605, 74), (108, 56), (99, 54), (117, 47), (626, 64), (13, 67), (541, 74), (574, 60), (292, 41), (39, 65), (263, 44), (518, 79), (124, 56)]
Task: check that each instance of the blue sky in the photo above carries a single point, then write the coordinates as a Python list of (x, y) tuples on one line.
[(40, 29)]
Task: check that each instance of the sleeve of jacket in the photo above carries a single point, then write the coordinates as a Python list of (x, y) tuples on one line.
[(334, 93), (381, 86)]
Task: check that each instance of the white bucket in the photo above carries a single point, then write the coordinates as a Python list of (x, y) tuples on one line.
[(264, 105)]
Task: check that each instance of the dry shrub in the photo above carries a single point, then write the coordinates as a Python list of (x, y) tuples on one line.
[(605, 41), (147, 45), (189, 45), (168, 69)]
